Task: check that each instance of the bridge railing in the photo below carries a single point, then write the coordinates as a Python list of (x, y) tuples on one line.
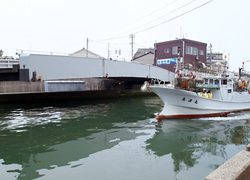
[(8, 63)]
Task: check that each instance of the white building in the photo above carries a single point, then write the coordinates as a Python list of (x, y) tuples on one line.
[(145, 56), (86, 53)]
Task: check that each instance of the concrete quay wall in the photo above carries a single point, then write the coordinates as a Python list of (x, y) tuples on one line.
[(95, 88), (236, 168), (22, 86), (37, 97)]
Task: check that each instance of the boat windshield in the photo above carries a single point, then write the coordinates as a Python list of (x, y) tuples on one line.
[(210, 81)]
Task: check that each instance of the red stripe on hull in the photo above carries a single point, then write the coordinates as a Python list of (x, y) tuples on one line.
[(191, 116)]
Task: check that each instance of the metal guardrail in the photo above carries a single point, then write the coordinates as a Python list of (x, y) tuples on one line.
[(8, 63), (21, 51)]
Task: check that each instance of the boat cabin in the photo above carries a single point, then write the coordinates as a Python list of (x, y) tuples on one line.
[(221, 87)]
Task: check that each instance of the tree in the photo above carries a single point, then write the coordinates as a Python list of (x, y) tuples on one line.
[(1, 53)]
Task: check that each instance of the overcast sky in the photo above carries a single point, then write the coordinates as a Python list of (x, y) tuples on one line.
[(65, 25)]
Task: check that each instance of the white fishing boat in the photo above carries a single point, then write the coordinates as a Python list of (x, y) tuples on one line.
[(182, 100)]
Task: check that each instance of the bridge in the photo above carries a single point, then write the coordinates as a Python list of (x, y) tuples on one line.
[(54, 67), (8, 63)]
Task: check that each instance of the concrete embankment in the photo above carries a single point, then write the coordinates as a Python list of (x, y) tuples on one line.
[(96, 88), (38, 86), (67, 95), (57, 96), (236, 168)]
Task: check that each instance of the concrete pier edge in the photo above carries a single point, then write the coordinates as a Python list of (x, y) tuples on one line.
[(31, 97), (236, 168)]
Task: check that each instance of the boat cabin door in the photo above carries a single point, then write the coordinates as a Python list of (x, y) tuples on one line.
[(226, 90)]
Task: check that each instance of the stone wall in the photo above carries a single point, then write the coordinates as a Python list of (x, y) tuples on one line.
[(236, 168)]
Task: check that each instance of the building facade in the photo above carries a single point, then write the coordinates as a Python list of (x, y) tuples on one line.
[(144, 55), (189, 51), (142, 51)]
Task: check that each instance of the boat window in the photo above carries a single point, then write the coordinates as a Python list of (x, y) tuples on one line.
[(211, 81), (223, 82), (216, 81)]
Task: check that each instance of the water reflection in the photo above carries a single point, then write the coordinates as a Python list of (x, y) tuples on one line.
[(47, 139), (48, 136), (189, 140)]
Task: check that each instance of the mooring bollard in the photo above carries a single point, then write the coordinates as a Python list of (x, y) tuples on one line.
[(248, 148)]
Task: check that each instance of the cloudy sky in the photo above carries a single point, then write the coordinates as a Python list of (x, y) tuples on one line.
[(64, 25)]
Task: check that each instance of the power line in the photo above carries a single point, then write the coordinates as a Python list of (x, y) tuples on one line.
[(156, 19), (162, 22), (105, 43), (143, 45), (146, 15), (174, 17)]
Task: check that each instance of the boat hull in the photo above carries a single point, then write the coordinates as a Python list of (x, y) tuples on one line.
[(186, 104)]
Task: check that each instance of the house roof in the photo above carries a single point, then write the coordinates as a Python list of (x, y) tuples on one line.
[(185, 40), (142, 51), (86, 53), (143, 55)]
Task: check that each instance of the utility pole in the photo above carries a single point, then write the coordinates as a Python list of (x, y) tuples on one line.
[(108, 51), (87, 47), (132, 36), (210, 57), (155, 51)]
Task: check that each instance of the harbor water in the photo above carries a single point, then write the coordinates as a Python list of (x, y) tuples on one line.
[(114, 139)]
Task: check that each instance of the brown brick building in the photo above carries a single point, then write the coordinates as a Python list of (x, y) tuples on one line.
[(191, 52)]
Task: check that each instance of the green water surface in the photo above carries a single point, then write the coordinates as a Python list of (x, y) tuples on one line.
[(114, 139)]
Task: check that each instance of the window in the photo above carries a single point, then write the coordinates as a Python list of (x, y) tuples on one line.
[(201, 52), (166, 51), (191, 50), (188, 50), (223, 82), (211, 81), (195, 51), (174, 50)]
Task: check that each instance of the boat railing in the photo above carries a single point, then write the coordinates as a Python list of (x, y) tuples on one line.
[(158, 82)]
